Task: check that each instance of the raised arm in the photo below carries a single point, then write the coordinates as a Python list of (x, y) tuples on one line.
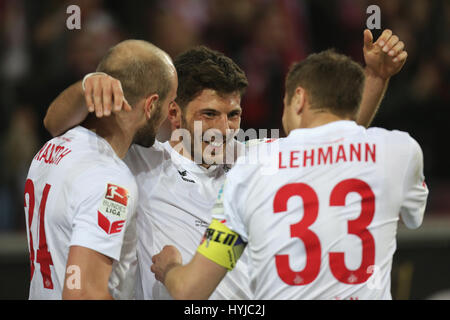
[(73, 105), (383, 59)]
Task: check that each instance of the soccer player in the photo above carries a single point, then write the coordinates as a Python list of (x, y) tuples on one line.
[(176, 192), (324, 225), (80, 197)]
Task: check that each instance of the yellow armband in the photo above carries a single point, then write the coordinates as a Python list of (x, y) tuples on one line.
[(221, 245)]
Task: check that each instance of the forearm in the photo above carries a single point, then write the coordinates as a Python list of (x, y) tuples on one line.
[(174, 281), (66, 111), (374, 90), (188, 282), (180, 283)]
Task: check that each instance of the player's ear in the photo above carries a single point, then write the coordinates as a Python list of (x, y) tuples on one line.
[(150, 105), (175, 115), (299, 100)]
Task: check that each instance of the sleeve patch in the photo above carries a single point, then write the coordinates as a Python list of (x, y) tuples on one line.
[(113, 210), (221, 245)]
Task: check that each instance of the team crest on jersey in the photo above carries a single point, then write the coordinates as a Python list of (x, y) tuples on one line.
[(113, 209)]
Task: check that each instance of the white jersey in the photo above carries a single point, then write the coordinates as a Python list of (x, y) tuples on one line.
[(175, 201), (323, 224), (79, 193)]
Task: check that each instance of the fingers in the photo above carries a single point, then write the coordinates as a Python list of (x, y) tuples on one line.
[(97, 93), (118, 95), (393, 40), (88, 92), (368, 39), (155, 270), (107, 98), (383, 39), (126, 105), (401, 57), (396, 49), (393, 46), (104, 94)]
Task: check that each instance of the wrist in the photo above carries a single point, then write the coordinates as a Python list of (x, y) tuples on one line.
[(90, 75), (370, 73), (169, 268)]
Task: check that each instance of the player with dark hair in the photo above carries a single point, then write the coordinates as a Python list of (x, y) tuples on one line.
[(324, 225)]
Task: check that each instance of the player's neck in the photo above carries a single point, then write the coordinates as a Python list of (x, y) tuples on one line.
[(118, 137), (319, 118)]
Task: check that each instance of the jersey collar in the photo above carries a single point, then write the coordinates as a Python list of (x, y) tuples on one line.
[(331, 130)]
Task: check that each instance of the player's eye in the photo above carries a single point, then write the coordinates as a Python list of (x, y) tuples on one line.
[(234, 114), (209, 114)]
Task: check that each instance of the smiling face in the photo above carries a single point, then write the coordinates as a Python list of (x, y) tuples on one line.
[(219, 116)]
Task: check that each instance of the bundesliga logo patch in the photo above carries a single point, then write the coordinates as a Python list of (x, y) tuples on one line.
[(113, 209)]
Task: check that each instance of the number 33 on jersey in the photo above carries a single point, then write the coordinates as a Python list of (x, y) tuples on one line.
[(323, 226)]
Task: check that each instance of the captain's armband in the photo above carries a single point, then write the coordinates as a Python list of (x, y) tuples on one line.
[(221, 245)]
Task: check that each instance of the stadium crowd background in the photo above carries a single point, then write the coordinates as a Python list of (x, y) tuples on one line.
[(39, 57)]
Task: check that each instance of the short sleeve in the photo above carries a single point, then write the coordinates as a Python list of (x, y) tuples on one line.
[(102, 206), (415, 190)]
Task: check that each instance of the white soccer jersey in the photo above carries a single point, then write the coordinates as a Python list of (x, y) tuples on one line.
[(323, 225), (79, 193), (175, 201)]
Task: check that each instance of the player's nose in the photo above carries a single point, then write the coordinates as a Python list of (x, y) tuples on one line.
[(223, 125)]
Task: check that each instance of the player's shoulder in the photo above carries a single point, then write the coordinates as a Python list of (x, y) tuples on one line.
[(382, 132), (109, 168), (95, 162), (94, 181), (399, 142), (394, 137), (258, 153), (262, 147)]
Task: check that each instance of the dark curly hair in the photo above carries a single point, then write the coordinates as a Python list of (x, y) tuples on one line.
[(201, 68)]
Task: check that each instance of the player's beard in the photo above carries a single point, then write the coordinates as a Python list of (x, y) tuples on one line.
[(146, 135)]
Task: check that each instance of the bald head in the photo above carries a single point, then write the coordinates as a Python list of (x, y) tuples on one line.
[(142, 68)]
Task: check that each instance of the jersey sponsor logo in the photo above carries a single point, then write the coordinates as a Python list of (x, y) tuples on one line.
[(183, 175), (201, 223), (113, 209), (221, 245)]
